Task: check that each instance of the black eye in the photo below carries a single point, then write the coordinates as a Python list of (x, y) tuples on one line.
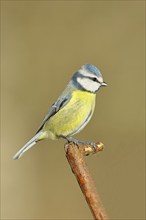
[(94, 79)]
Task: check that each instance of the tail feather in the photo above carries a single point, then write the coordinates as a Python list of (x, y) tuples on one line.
[(27, 146)]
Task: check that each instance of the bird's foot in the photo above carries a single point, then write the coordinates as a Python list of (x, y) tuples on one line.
[(78, 142)]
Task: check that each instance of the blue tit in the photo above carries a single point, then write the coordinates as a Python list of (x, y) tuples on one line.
[(72, 110)]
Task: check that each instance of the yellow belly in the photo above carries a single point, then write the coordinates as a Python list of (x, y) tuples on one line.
[(72, 117)]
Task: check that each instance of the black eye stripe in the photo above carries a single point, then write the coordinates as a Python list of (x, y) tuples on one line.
[(93, 79)]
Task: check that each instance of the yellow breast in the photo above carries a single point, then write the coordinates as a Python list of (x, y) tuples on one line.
[(73, 116)]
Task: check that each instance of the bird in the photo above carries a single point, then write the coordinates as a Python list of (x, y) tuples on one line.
[(72, 110)]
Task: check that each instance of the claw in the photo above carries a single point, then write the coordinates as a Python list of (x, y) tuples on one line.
[(94, 145)]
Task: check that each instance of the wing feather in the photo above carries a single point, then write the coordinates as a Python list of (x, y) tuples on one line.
[(59, 104)]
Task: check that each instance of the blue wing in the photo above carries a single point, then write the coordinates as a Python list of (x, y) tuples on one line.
[(59, 104)]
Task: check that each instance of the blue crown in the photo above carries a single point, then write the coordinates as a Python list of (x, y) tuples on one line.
[(93, 69)]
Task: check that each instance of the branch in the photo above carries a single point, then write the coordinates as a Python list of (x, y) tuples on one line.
[(75, 155)]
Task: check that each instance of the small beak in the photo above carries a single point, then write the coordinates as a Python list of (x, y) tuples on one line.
[(104, 84)]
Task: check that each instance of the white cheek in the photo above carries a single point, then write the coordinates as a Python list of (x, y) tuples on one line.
[(88, 84)]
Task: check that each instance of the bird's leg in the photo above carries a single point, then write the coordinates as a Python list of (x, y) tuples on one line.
[(78, 142), (70, 139)]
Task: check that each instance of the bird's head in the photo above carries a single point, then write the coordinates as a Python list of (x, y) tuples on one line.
[(88, 78)]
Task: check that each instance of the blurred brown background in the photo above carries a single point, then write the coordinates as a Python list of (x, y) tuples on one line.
[(43, 44)]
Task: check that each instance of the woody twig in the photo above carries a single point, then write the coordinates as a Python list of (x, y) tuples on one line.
[(75, 155)]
